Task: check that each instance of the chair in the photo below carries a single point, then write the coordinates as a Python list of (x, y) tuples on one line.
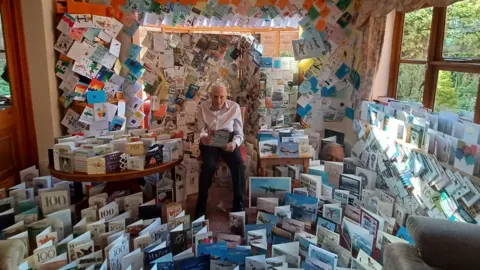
[(439, 244), (12, 251)]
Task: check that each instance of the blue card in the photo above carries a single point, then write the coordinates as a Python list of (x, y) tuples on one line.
[(355, 77), (156, 255), (280, 240), (266, 62), (92, 33), (237, 256), (305, 87), (218, 249), (165, 266), (200, 263), (165, 258), (192, 90), (403, 233), (350, 113), (134, 51), (328, 91), (288, 149), (96, 97), (342, 71), (324, 256), (267, 218), (117, 123), (302, 112), (327, 224), (318, 171), (304, 207), (134, 66), (313, 84), (277, 63), (253, 227)]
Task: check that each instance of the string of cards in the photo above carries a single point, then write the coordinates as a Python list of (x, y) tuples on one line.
[(330, 47)]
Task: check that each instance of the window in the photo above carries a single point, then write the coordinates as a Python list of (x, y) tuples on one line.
[(4, 85), (436, 58), (269, 41)]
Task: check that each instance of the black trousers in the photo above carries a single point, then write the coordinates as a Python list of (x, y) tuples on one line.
[(234, 162)]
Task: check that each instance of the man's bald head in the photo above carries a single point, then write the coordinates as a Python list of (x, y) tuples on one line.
[(219, 89), (218, 95)]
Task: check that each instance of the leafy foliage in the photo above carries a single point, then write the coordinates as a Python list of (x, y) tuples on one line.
[(456, 91), (4, 86)]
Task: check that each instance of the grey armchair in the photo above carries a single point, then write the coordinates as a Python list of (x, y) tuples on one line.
[(439, 244)]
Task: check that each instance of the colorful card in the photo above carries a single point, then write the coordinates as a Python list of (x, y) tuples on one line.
[(95, 85), (87, 116), (96, 97), (116, 123), (63, 44), (267, 187), (83, 20), (134, 51), (101, 110), (66, 23)]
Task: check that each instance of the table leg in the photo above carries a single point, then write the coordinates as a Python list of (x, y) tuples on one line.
[(306, 164), (261, 168)]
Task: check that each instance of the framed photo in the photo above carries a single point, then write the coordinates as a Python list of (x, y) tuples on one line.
[(268, 187)]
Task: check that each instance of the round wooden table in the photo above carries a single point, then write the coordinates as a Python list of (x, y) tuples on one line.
[(120, 180), (115, 176)]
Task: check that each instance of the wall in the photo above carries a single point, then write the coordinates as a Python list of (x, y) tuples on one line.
[(380, 84), (39, 31)]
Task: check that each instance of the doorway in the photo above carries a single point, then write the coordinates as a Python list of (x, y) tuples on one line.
[(18, 149)]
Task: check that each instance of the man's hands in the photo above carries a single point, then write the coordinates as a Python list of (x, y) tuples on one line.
[(230, 147), (206, 140)]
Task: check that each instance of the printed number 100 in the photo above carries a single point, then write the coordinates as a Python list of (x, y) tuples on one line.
[(41, 257), (56, 200)]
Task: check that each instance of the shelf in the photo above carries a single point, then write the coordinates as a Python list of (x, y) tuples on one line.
[(113, 177)]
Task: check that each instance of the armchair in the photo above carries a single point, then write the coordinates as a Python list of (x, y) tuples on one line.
[(439, 244)]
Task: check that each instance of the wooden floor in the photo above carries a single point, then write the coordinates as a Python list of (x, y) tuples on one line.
[(218, 208)]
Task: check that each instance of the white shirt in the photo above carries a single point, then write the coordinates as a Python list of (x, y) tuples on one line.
[(229, 117)]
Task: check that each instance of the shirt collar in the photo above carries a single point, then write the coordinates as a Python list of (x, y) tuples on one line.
[(227, 104)]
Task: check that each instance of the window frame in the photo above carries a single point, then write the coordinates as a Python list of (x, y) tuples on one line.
[(435, 61)]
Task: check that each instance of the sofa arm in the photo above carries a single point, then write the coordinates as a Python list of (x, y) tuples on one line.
[(12, 252), (401, 256), (446, 244)]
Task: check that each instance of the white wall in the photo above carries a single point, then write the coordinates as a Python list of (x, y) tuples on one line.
[(380, 83), (39, 31)]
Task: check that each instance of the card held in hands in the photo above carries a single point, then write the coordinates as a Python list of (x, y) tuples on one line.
[(220, 138)]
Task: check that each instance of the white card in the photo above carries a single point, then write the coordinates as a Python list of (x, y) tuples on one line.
[(115, 46)]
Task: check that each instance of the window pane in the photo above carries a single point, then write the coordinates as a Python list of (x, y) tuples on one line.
[(269, 42), (457, 92), (416, 34), (410, 82), (4, 78), (2, 43), (286, 37), (462, 30)]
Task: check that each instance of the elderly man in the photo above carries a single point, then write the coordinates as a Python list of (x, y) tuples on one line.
[(220, 118)]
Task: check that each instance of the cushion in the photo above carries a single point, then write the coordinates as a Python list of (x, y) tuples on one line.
[(446, 244), (401, 256), (12, 253)]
